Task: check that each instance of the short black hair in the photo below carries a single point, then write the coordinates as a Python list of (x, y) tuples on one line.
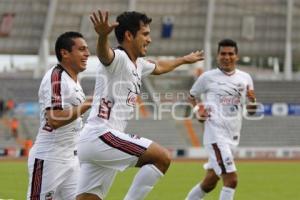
[(228, 43), (130, 21), (65, 41)]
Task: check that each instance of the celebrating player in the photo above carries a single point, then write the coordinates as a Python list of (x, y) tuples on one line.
[(52, 164), (104, 148)]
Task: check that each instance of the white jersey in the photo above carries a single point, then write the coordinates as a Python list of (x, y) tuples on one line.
[(116, 89), (223, 96), (58, 91)]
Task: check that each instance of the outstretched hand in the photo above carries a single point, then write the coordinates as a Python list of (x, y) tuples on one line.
[(194, 57), (101, 24)]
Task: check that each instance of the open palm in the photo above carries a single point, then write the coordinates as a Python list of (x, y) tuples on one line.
[(101, 24)]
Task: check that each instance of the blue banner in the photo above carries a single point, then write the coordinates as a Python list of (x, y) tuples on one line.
[(281, 109)]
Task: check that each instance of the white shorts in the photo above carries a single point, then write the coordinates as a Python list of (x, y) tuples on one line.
[(52, 180), (220, 158), (101, 157)]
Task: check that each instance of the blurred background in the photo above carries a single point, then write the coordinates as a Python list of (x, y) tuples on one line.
[(267, 33)]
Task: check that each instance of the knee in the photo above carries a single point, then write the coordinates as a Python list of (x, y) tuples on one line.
[(208, 187), (156, 155), (165, 160), (232, 182), (87, 196)]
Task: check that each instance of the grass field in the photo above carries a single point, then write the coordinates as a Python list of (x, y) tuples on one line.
[(257, 181)]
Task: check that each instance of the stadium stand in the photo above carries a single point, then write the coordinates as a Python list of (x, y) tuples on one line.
[(257, 26), (28, 25)]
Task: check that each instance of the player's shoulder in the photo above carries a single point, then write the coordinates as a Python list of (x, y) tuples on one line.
[(144, 60), (243, 73), (48, 74), (55, 73), (119, 51), (120, 56), (210, 72)]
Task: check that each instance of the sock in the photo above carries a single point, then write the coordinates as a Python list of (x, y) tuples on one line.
[(143, 182), (196, 193), (227, 193)]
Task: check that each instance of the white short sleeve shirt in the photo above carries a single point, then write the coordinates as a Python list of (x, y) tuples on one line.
[(58, 91), (224, 96), (116, 90)]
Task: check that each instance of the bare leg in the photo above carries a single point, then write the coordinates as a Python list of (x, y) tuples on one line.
[(208, 184), (87, 196)]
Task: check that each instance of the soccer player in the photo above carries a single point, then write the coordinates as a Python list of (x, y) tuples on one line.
[(52, 164), (225, 89), (104, 148)]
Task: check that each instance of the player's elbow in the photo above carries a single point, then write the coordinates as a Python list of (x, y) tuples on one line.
[(54, 124), (158, 70)]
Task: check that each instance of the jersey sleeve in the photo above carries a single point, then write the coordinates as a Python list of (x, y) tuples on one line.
[(118, 61), (198, 87), (45, 94), (51, 91), (148, 67)]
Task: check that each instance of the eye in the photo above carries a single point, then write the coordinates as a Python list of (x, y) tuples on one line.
[(83, 48)]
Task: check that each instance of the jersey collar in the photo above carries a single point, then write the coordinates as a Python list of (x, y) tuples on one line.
[(227, 73)]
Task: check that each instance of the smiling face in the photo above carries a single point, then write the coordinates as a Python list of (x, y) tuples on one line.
[(227, 58), (141, 40), (77, 57)]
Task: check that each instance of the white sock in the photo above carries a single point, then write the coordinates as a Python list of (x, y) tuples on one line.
[(196, 193), (227, 193), (143, 182)]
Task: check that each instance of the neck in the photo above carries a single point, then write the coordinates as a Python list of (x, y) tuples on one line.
[(71, 72), (227, 72), (129, 52)]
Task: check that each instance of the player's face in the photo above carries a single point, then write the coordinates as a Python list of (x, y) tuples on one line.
[(142, 40), (79, 55), (227, 58)]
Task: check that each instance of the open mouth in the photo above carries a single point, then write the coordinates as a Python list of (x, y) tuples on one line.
[(145, 47)]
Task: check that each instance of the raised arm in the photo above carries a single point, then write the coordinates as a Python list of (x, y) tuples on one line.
[(103, 28), (164, 66)]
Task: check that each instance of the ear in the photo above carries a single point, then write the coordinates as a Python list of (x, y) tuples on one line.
[(64, 53), (128, 36)]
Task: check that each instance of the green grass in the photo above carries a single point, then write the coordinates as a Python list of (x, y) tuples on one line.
[(257, 180)]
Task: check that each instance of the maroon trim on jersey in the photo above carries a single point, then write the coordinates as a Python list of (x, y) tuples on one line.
[(122, 145), (219, 157), (56, 99), (36, 181)]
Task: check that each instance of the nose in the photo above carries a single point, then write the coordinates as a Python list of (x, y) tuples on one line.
[(87, 53), (149, 40), (226, 57)]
